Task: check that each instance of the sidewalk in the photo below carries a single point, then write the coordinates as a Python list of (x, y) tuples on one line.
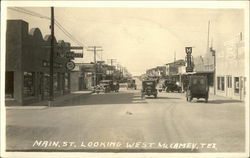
[(44, 104)]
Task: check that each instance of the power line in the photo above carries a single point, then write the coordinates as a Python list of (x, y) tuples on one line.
[(70, 36), (67, 33)]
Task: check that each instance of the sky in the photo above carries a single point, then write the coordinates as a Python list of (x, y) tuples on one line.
[(139, 38)]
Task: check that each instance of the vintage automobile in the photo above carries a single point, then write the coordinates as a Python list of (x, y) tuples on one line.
[(197, 87), (107, 86), (149, 88), (131, 84), (169, 86), (172, 87)]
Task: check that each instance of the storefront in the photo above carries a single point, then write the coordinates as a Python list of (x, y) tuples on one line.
[(27, 65), (230, 69)]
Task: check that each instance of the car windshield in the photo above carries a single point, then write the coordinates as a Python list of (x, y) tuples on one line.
[(104, 82), (202, 81), (198, 81), (149, 83)]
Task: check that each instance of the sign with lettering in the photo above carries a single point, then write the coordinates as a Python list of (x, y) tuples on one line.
[(189, 69), (74, 55), (46, 63), (188, 50), (70, 65), (71, 55)]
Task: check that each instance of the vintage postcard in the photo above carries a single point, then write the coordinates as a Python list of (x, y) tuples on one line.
[(124, 79)]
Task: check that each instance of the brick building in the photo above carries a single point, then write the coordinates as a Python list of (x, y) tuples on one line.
[(27, 65)]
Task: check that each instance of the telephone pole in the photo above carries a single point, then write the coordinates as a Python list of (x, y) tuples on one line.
[(111, 61), (94, 49), (51, 91)]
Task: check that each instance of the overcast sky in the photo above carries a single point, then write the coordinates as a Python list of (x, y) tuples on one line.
[(140, 38)]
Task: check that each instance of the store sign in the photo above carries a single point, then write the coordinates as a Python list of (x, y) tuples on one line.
[(70, 55), (189, 67), (70, 65), (74, 55), (188, 50), (46, 63)]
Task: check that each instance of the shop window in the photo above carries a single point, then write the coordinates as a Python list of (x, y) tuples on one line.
[(55, 81), (229, 81), (202, 81), (236, 85), (28, 86), (40, 83), (218, 83), (221, 83), (46, 84), (194, 81)]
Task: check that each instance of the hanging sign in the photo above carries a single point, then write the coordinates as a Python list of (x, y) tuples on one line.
[(70, 65)]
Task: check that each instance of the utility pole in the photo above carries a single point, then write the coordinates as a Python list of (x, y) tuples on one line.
[(112, 60), (214, 55), (51, 91), (208, 31), (94, 49)]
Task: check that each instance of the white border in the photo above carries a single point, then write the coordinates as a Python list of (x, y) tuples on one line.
[(122, 4)]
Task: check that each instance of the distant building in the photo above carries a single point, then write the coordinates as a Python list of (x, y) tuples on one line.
[(87, 71), (172, 69)]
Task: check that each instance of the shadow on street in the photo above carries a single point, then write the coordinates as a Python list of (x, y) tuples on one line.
[(224, 101), (152, 97), (102, 98)]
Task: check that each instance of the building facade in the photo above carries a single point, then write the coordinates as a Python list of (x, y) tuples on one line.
[(27, 65), (230, 69)]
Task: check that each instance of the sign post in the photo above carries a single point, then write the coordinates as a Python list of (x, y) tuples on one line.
[(189, 67)]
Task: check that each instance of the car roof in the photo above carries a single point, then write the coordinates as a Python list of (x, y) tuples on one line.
[(105, 80), (148, 81)]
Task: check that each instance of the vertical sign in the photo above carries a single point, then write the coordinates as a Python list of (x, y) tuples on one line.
[(189, 67)]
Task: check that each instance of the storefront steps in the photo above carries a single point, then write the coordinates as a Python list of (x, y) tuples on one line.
[(12, 104)]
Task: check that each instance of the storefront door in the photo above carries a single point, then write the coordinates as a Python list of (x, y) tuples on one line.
[(229, 88)]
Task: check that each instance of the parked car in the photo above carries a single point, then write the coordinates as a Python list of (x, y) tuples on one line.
[(197, 88), (149, 88), (172, 87), (131, 84), (107, 86)]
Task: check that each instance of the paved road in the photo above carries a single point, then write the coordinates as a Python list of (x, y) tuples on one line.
[(125, 122)]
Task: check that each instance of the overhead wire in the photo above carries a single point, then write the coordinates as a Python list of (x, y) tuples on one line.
[(69, 35)]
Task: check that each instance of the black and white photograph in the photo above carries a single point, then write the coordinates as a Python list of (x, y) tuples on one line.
[(128, 78)]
